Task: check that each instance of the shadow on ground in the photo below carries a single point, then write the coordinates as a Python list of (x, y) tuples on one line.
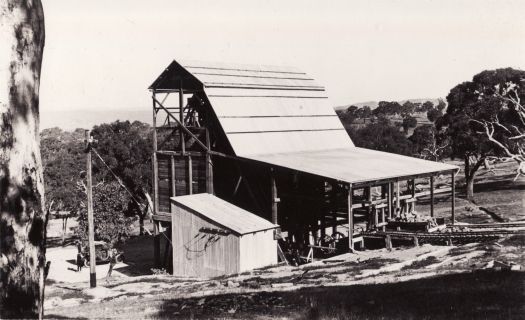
[(480, 295)]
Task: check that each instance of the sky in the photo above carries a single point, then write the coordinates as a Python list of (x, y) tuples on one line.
[(102, 55)]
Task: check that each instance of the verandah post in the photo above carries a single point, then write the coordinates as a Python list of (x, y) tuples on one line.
[(453, 201), (350, 220)]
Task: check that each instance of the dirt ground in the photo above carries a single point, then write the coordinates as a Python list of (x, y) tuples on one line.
[(473, 281)]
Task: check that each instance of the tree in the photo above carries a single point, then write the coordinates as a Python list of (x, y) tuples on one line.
[(387, 108), (426, 106), (504, 123), (63, 160), (481, 113), (126, 149), (110, 203), (409, 122), (441, 106), (429, 143), (382, 136), (22, 219), (408, 108), (434, 114)]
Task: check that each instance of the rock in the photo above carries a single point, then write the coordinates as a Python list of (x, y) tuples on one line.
[(515, 267), (50, 303), (231, 284)]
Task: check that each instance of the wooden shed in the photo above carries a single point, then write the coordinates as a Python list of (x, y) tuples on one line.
[(211, 237)]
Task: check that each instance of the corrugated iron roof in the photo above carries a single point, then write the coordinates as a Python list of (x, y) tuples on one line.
[(224, 213), (263, 109), (354, 164), (280, 116)]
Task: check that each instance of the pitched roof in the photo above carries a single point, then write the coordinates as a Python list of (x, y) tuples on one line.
[(223, 213), (281, 108), (282, 117)]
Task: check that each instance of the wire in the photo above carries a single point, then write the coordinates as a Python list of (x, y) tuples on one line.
[(117, 177)]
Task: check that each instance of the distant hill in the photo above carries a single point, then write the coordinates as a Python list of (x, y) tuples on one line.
[(374, 104), (86, 119)]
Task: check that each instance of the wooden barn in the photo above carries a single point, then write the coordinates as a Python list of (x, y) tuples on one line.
[(268, 140), (214, 237)]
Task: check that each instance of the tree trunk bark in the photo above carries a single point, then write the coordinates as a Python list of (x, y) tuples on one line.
[(64, 229), (470, 188), (22, 217)]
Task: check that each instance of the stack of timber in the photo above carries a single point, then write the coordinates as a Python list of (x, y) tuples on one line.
[(452, 234)]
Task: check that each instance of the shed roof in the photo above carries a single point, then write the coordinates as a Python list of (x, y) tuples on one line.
[(224, 213), (354, 165)]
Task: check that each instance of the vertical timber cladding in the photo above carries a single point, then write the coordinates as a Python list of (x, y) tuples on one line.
[(182, 176)]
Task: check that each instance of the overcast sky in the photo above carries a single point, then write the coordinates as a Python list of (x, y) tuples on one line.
[(104, 54)]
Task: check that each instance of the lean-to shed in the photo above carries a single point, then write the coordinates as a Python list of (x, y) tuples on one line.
[(212, 237)]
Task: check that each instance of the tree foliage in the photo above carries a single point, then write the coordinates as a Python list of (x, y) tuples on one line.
[(382, 135), (434, 114), (126, 148), (110, 203), (481, 104), (63, 159), (409, 122), (385, 108), (429, 143)]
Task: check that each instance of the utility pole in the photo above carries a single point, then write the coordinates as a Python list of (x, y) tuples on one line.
[(91, 222)]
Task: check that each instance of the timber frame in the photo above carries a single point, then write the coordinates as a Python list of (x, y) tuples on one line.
[(192, 154)]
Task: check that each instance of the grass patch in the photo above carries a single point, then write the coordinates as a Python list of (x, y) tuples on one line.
[(418, 264), (484, 295)]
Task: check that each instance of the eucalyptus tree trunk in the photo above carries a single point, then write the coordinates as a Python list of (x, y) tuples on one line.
[(22, 218)]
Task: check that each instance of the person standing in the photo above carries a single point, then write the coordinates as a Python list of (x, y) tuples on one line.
[(80, 260), (112, 262)]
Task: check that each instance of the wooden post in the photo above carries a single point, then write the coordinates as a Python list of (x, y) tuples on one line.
[(173, 182), (275, 214), (181, 119), (333, 207), (91, 222), (154, 160), (388, 242), (350, 220), (389, 200), (209, 166), (156, 236), (190, 176), (369, 211), (453, 204), (156, 243), (432, 196), (398, 201)]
